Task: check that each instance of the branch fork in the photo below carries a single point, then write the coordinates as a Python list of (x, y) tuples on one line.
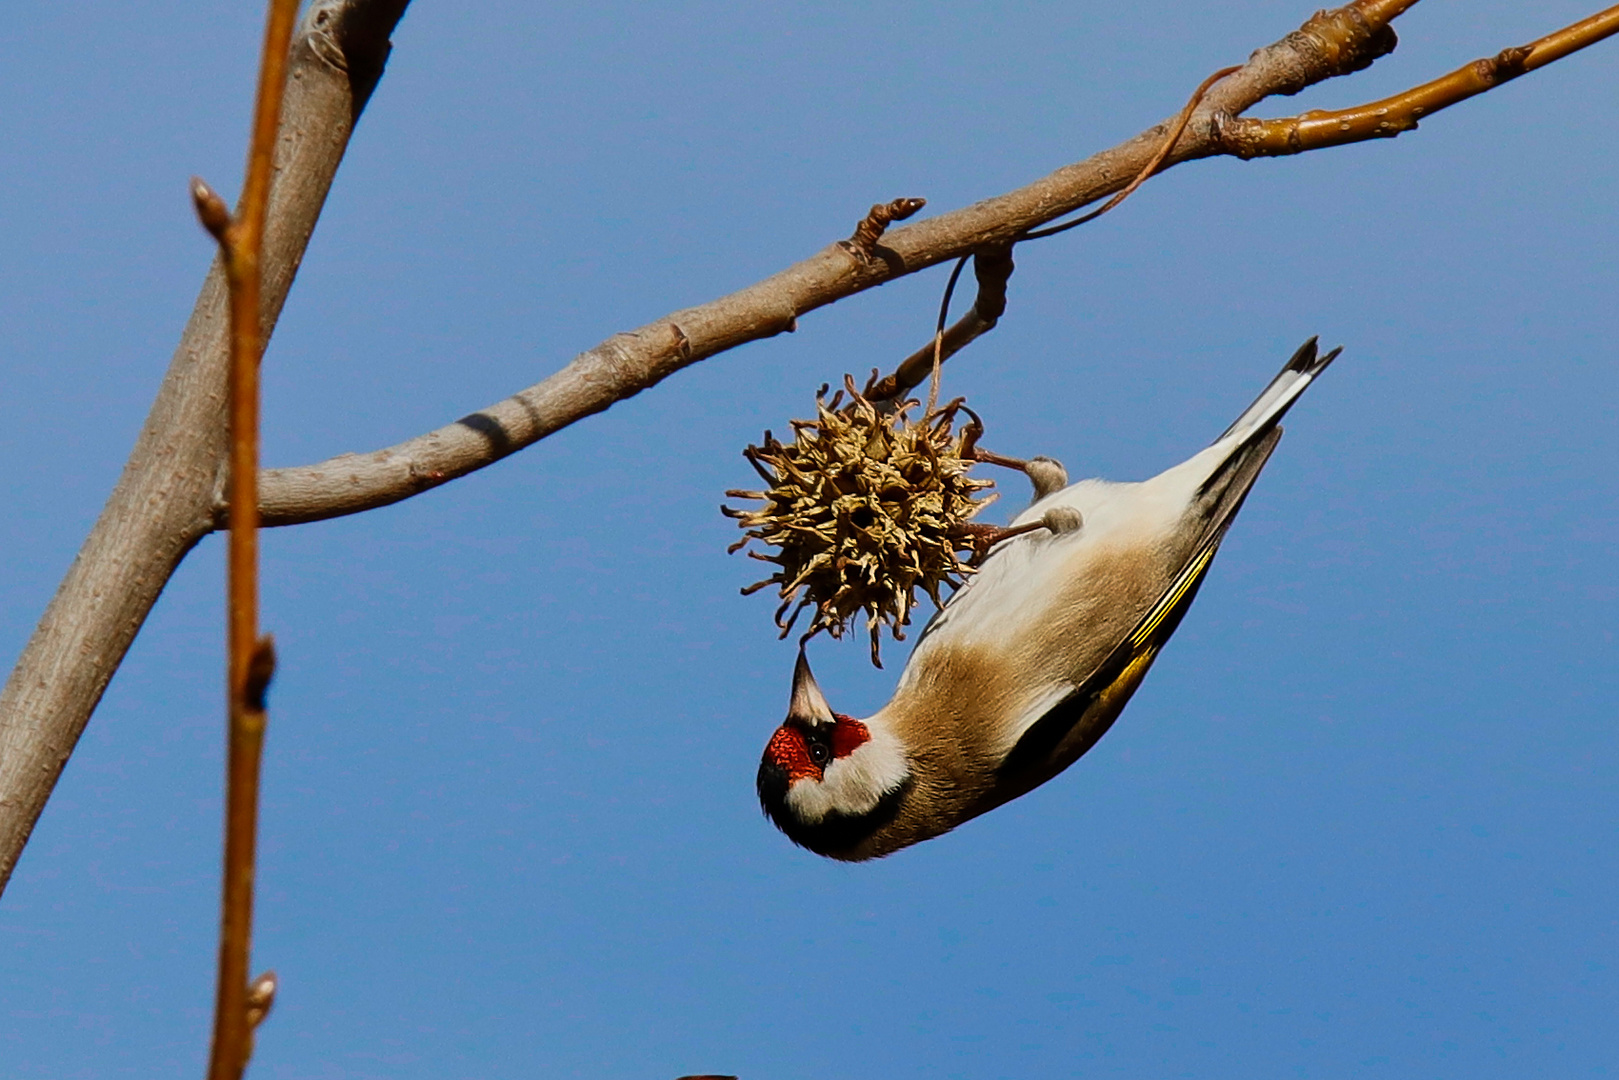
[(1247, 137)]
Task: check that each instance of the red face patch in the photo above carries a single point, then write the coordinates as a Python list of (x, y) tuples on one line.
[(788, 749), (847, 734)]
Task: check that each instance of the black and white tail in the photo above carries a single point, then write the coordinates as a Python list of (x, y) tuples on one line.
[(1251, 439), (1283, 390)]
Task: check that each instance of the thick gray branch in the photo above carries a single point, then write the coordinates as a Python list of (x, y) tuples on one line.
[(164, 501), (1329, 44)]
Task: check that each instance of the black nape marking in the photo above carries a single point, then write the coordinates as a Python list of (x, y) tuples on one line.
[(772, 784)]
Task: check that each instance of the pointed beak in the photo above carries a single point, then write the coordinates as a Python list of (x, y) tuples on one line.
[(808, 705)]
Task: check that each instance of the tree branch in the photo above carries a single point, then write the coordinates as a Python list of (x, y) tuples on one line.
[(1329, 44), (1389, 117), (164, 501)]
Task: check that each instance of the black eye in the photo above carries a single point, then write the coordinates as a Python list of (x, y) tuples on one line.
[(819, 752)]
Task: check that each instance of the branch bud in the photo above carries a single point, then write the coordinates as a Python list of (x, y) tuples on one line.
[(211, 209)]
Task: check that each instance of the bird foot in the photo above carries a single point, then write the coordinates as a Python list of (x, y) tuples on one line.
[(1046, 474), (1063, 519), (1058, 521)]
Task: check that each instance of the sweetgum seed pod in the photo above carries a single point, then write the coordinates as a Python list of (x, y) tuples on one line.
[(863, 509)]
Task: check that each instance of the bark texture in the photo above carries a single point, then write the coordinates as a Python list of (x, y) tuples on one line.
[(164, 500)]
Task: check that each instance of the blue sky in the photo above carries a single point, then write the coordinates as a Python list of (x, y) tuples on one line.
[(1359, 820)]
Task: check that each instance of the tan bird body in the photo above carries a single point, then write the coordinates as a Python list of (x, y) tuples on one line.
[(1031, 661)]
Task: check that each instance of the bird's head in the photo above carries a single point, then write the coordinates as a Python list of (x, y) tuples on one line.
[(827, 780)]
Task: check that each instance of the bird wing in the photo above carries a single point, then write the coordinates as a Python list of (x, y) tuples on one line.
[(1063, 730)]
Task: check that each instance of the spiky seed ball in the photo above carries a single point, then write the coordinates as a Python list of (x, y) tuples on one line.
[(863, 508)]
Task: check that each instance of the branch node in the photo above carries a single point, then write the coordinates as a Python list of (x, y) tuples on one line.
[(211, 209), (424, 479), (876, 222), (1508, 64), (1345, 41), (682, 342), (260, 670)]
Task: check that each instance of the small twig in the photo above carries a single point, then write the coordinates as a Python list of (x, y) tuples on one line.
[(936, 354), (1389, 117), (1176, 130), (993, 268), (238, 1007), (874, 224)]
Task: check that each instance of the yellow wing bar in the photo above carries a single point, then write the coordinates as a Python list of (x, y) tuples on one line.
[(1191, 574)]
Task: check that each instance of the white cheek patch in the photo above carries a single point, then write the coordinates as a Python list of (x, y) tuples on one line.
[(853, 784)]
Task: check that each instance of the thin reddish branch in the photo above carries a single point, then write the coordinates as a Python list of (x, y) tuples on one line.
[(1389, 117), (251, 659)]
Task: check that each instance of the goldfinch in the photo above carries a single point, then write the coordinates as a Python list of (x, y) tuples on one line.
[(1032, 660)]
